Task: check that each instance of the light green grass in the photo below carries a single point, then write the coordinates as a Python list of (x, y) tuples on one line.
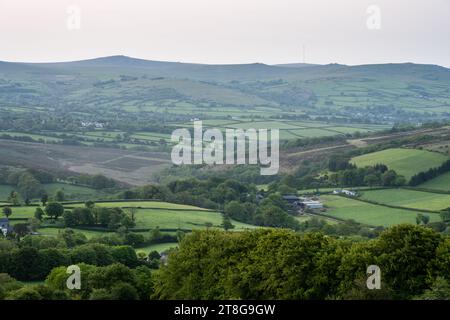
[(160, 247), (88, 233), (304, 218), (152, 218), (23, 212), (406, 162), (370, 214), (441, 182), (409, 198)]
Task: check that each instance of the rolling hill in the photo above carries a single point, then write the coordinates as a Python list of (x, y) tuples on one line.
[(409, 92)]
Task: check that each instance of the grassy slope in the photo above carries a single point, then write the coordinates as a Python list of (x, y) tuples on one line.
[(370, 214), (156, 214), (406, 162), (409, 198), (151, 218), (441, 182)]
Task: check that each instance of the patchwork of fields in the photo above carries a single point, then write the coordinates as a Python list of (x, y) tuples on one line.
[(149, 215), (288, 130)]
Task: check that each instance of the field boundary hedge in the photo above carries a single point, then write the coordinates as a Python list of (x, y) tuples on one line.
[(138, 207), (426, 190), (106, 230)]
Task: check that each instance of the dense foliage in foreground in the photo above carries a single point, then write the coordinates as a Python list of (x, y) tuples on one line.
[(258, 264), (280, 264)]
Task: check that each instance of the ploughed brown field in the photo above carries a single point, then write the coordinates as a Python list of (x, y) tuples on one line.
[(131, 167)]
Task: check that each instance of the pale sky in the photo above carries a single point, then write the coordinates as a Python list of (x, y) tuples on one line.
[(227, 31)]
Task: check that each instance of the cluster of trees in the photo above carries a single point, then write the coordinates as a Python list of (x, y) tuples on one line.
[(12, 176), (272, 264), (343, 228), (250, 174), (112, 282), (211, 193), (70, 239), (34, 261), (111, 218), (281, 264), (29, 183), (97, 181), (236, 199), (26, 183), (270, 212), (424, 176), (137, 240), (377, 175)]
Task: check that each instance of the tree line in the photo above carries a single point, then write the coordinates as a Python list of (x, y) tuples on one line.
[(432, 173)]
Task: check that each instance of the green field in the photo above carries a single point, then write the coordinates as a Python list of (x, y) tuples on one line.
[(406, 162), (409, 198), (288, 129), (170, 219), (88, 233), (304, 218), (151, 214), (370, 214), (71, 192), (329, 190), (141, 204), (23, 212), (441, 182), (160, 247)]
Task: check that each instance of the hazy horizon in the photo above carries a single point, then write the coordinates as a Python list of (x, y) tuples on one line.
[(228, 31), (224, 64)]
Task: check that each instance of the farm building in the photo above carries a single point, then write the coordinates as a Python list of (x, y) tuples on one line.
[(346, 192), (292, 199), (303, 203), (4, 226), (311, 204)]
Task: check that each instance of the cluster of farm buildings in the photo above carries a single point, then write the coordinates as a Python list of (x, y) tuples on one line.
[(310, 203)]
